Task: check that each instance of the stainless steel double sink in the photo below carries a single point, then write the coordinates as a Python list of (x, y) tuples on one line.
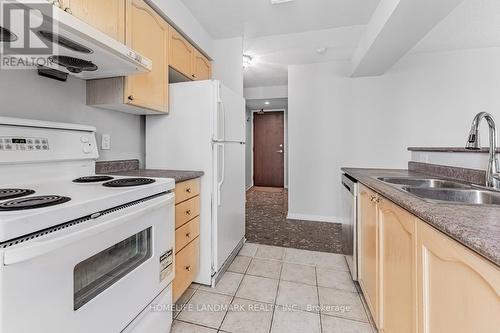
[(443, 190)]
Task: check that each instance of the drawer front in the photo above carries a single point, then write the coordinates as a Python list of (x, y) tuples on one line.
[(186, 267), (187, 233), (186, 211), (187, 190)]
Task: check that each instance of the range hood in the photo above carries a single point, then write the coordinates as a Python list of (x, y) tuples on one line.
[(78, 49)]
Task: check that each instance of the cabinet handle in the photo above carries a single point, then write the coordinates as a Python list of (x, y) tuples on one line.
[(188, 235), (188, 268), (194, 76), (188, 190), (131, 98), (68, 10), (188, 212)]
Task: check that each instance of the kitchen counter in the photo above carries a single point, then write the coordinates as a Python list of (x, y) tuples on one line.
[(131, 168), (451, 149), (178, 175), (476, 227)]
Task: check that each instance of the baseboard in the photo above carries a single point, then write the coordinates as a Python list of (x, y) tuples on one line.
[(315, 218), (249, 187)]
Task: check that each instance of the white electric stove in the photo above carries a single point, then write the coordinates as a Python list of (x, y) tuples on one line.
[(79, 252)]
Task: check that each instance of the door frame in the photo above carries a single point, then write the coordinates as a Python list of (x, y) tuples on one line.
[(285, 143)]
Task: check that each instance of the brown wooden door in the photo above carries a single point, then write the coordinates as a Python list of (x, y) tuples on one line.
[(268, 149)]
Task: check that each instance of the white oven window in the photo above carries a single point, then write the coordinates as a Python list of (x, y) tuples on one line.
[(97, 273)]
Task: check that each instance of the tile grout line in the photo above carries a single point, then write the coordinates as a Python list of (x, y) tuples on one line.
[(319, 302), (277, 291), (234, 296)]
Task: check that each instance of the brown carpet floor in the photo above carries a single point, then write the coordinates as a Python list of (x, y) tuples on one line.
[(266, 223)]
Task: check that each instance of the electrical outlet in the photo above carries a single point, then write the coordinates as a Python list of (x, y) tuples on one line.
[(106, 141)]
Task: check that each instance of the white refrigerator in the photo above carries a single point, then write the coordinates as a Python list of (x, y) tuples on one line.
[(205, 130)]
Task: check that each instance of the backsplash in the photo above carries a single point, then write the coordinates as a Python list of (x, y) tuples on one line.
[(27, 95)]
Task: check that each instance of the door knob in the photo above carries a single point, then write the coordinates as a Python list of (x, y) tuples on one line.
[(280, 151)]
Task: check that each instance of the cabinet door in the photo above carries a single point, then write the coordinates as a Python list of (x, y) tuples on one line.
[(107, 16), (181, 54), (459, 291), (368, 243), (397, 269), (201, 66), (147, 33)]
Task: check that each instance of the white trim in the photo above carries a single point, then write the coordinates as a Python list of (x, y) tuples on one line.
[(285, 142), (315, 218), (249, 187)]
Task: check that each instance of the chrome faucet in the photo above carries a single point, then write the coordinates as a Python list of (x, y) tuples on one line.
[(473, 143)]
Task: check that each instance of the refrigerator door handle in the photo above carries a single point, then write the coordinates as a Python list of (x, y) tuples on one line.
[(223, 109), (223, 171)]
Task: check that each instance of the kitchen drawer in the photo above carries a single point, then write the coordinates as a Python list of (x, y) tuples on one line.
[(186, 211), (187, 233), (187, 190), (186, 267)]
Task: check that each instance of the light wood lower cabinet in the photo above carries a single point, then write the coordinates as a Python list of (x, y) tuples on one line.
[(187, 231), (397, 269), (368, 244), (186, 268), (416, 279), (459, 291)]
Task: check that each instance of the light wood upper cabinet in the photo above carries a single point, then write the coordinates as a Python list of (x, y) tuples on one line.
[(147, 33), (181, 54), (397, 269), (368, 245), (201, 67), (459, 291), (107, 16)]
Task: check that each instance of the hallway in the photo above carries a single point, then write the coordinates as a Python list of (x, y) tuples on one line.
[(266, 223)]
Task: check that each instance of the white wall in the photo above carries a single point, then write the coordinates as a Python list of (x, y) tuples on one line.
[(227, 65), (268, 92), (427, 99), (24, 94)]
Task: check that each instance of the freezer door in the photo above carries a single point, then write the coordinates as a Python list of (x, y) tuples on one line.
[(230, 118), (229, 200)]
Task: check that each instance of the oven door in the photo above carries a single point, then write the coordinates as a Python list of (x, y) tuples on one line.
[(92, 277)]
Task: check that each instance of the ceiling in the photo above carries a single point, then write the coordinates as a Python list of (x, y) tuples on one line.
[(473, 24), (272, 54), (285, 34), (257, 18), (275, 103)]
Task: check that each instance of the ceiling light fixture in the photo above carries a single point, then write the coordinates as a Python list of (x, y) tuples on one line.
[(321, 50), (247, 61), (277, 2), (267, 102)]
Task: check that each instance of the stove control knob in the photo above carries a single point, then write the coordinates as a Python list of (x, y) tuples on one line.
[(87, 149), (84, 139)]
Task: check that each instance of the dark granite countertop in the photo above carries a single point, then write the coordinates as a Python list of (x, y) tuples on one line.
[(476, 227), (451, 149), (131, 168)]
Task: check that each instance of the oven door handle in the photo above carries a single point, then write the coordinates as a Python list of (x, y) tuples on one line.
[(34, 249)]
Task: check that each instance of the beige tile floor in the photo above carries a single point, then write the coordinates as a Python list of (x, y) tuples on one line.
[(270, 289)]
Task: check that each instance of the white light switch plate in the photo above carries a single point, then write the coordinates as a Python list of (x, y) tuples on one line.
[(106, 142)]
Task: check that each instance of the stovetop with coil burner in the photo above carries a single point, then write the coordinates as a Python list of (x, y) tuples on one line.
[(11, 193)]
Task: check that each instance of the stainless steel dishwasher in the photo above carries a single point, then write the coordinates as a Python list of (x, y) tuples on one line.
[(349, 223)]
